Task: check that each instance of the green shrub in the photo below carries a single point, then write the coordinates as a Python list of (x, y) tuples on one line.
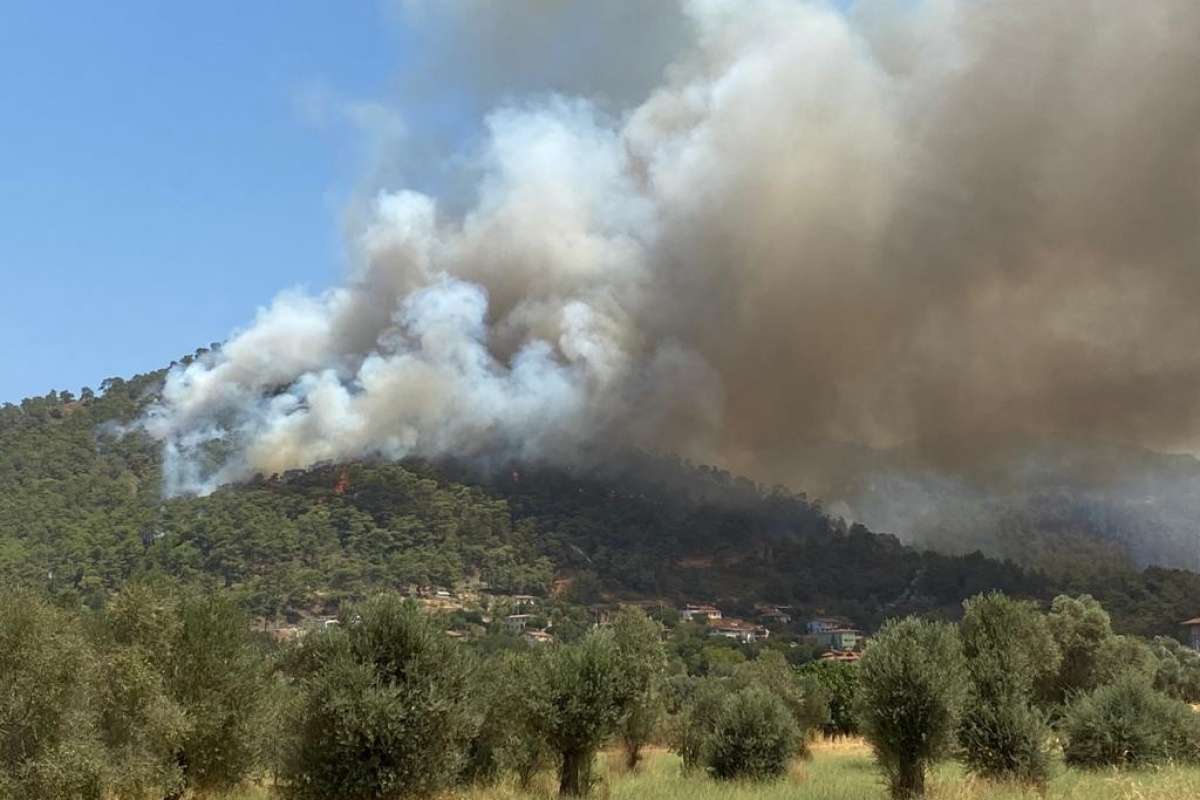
[(803, 696), (1009, 652), (578, 697), (217, 675), (910, 699), (1006, 738), (1129, 724), (643, 662), (1080, 627), (48, 744), (141, 725), (755, 736), (840, 681), (385, 711), (1176, 669), (692, 727), (507, 738)]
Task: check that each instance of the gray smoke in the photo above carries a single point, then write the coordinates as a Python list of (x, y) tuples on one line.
[(933, 221)]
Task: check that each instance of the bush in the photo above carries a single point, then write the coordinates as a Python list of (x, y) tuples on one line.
[(910, 699), (692, 728), (1119, 655), (1176, 669), (803, 696), (48, 744), (218, 676), (507, 737), (385, 710), (181, 693), (1129, 724), (1009, 652), (840, 681), (578, 698), (643, 662), (755, 736), (1080, 627), (141, 725), (1005, 738)]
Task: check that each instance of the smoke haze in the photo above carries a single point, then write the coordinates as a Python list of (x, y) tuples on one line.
[(731, 230)]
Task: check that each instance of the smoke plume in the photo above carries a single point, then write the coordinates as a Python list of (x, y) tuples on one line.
[(932, 221)]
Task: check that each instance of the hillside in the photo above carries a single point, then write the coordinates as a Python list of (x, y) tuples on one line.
[(81, 513)]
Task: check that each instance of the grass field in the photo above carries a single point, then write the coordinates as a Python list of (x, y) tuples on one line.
[(844, 771)]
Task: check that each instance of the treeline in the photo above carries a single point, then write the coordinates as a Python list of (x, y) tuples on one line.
[(165, 692), (81, 514)]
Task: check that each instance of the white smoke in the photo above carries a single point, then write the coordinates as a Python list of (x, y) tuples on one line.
[(919, 219)]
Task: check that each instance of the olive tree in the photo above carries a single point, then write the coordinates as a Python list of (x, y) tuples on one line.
[(691, 729), (1009, 652), (48, 744), (1080, 627), (755, 736), (141, 725), (839, 679), (912, 688), (643, 662), (1129, 724), (581, 697), (217, 674), (507, 738), (385, 710), (801, 694)]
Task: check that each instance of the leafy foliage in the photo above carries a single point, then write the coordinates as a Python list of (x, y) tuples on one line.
[(691, 729), (1080, 627), (840, 682), (643, 663), (1009, 651), (1176, 669), (755, 736), (582, 696), (911, 697), (804, 697), (1129, 724), (385, 710), (48, 746)]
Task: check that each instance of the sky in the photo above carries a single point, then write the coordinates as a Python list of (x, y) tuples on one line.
[(166, 168)]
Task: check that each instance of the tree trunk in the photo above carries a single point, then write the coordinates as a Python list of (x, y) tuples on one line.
[(633, 754), (574, 779), (908, 782)]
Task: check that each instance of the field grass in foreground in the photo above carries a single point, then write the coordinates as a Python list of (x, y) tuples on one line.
[(844, 771)]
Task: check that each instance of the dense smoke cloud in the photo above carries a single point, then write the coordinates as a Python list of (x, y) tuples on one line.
[(929, 221)]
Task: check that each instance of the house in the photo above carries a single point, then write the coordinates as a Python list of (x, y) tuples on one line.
[(1193, 626), (838, 638), (517, 622), (537, 637), (739, 629), (847, 656), (691, 612), (773, 615), (823, 624)]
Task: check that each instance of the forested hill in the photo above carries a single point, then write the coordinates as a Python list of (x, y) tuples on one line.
[(81, 513)]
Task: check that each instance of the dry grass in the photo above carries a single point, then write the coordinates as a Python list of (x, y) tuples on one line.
[(838, 770)]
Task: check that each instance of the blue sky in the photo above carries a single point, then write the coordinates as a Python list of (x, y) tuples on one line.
[(160, 177), (167, 168)]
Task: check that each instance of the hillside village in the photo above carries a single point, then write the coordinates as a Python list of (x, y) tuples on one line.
[(473, 614)]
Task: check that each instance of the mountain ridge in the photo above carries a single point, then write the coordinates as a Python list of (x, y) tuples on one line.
[(81, 512)]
